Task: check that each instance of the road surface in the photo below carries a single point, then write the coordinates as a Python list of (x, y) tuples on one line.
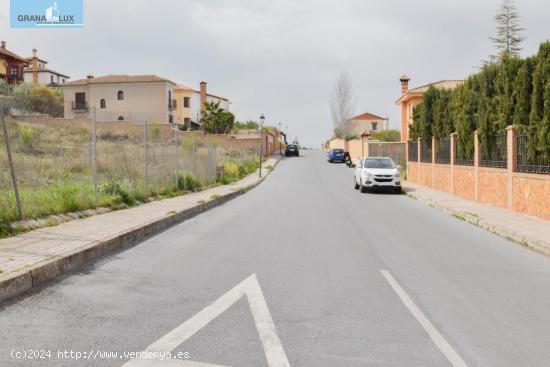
[(301, 271)]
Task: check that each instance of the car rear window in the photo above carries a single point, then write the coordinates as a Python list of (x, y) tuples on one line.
[(338, 151)]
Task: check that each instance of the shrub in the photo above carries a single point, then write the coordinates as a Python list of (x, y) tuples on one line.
[(29, 138), (188, 182), (386, 135), (114, 188)]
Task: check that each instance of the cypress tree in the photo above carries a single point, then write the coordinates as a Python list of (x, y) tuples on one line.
[(466, 123), (544, 136), (540, 75), (505, 83), (523, 88)]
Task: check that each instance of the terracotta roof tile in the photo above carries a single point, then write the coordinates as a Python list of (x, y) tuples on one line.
[(443, 84), (367, 116), (8, 53), (112, 79)]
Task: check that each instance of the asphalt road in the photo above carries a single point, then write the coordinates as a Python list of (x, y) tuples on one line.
[(302, 271)]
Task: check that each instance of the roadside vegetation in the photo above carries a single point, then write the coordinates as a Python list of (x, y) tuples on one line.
[(53, 166)]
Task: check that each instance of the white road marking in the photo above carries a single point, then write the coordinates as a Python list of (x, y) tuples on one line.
[(435, 335), (273, 349)]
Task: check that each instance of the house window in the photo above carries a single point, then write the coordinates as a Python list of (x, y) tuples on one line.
[(51, 79), (14, 71), (171, 119), (102, 103), (63, 80), (186, 102), (120, 95), (374, 126), (187, 122)]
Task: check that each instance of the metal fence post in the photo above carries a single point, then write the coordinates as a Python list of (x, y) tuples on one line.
[(177, 153), (193, 156), (146, 173), (10, 161), (94, 155)]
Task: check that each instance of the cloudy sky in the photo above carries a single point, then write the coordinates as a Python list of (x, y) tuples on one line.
[(281, 57)]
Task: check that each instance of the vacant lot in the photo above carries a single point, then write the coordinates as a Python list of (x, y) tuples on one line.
[(53, 166)]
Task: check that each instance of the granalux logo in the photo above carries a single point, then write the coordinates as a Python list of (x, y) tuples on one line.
[(46, 13)]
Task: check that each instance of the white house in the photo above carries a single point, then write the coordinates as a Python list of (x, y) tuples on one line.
[(39, 73)]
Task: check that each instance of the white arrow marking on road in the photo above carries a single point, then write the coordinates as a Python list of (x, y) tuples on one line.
[(435, 335), (273, 349)]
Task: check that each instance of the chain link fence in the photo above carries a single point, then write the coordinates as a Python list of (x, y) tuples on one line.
[(50, 165)]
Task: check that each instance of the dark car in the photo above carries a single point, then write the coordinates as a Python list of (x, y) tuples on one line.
[(336, 155), (292, 149)]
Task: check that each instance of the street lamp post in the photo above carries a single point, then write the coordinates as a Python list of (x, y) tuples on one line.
[(280, 143), (262, 120)]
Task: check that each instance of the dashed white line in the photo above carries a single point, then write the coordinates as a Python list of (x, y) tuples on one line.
[(434, 334)]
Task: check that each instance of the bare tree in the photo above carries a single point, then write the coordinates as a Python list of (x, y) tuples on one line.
[(342, 106), (509, 36)]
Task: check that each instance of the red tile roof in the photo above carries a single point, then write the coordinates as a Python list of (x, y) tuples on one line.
[(8, 53), (113, 79), (368, 116), (419, 91)]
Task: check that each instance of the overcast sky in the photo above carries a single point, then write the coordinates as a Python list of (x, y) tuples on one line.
[(281, 57)]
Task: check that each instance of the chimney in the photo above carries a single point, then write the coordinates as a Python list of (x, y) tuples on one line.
[(3, 45), (404, 84), (203, 95), (34, 66)]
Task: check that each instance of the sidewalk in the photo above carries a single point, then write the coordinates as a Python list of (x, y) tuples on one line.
[(524, 229), (34, 257)]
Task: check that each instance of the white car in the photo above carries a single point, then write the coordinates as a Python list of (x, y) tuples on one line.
[(379, 172)]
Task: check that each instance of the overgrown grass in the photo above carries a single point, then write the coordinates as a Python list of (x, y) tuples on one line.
[(53, 165), (236, 170)]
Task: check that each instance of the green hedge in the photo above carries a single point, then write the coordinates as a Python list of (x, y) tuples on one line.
[(511, 91)]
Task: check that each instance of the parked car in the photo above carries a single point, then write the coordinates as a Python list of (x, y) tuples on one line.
[(379, 172), (292, 149), (336, 155)]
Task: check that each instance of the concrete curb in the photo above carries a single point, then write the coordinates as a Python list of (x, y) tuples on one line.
[(519, 238), (20, 282)]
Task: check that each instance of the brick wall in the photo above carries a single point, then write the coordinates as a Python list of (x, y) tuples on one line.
[(525, 193)]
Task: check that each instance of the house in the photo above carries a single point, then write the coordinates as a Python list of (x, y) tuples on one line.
[(135, 98), (11, 65), (184, 112), (411, 98), (190, 104), (39, 74), (201, 96), (367, 123)]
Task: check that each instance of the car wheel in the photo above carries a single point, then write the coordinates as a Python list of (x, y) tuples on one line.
[(397, 190), (364, 189), (356, 184)]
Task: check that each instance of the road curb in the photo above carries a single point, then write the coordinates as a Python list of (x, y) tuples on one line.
[(519, 238), (22, 281)]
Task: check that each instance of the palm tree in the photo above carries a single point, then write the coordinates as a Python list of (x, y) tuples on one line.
[(216, 120)]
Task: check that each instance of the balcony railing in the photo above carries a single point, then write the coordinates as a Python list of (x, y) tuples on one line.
[(173, 105), (79, 106)]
